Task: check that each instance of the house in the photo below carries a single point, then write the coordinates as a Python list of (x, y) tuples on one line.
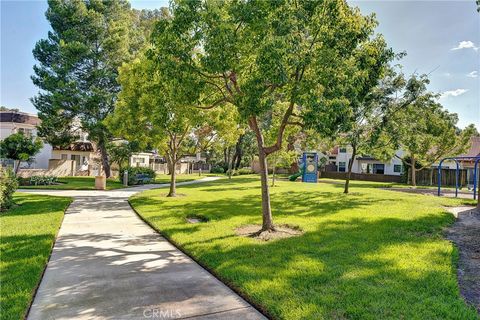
[(81, 152), (465, 164), (13, 121), (339, 157), (142, 159), (187, 164)]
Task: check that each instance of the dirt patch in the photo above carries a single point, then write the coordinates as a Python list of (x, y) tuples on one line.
[(177, 195), (433, 192), (465, 233), (281, 231), (196, 219)]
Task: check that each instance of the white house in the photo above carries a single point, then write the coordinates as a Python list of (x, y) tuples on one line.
[(15, 121), (340, 156)]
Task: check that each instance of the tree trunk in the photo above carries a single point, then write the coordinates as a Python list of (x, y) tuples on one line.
[(414, 171), (104, 155), (16, 164), (273, 172), (349, 172), (291, 147), (238, 153), (267, 221), (173, 179), (230, 169)]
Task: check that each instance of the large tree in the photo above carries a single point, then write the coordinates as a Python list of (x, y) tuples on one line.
[(250, 55), (427, 132), (78, 67), (148, 112), (362, 121), (369, 128)]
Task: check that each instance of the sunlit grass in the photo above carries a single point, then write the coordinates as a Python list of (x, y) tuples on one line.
[(28, 231), (372, 254)]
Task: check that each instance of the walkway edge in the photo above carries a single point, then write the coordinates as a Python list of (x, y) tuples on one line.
[(245, 297), (35, 290)]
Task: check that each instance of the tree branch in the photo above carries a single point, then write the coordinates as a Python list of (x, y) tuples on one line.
[(283, 125)]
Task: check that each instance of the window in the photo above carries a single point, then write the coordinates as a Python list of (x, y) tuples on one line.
[(341, 166), (379, 168), (342, 150), (27, 132), (397, 168), (64, 156), (138, 160)]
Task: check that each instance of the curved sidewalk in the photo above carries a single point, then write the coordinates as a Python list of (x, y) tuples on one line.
[(108, 264)]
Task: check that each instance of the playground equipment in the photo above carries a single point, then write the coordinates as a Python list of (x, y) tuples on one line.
[(456, 159), (310, 167)]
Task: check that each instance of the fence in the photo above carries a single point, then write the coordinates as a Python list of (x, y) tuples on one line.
[(429, 177), (361, 176)]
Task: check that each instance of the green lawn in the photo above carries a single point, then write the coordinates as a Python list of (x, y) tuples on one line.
[(78, 183), (27, 235), (165, 178), (372, 254)]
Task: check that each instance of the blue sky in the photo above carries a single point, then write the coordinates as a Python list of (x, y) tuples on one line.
[(440, 37)]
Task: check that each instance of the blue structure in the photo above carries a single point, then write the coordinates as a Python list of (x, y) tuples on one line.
[(475, 173), (310, 167)]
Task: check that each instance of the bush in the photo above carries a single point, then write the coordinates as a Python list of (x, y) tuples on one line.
[(133, 171), (42, 180), (8, 185), (241, 172), (217, 169)]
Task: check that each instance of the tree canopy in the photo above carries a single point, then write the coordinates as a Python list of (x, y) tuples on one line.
[(78, 65), (19, 147), (253, 55)]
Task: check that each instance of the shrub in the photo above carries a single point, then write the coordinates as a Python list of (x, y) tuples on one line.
[(217, 169), (8, 185), (42, 180), (133, 171), (241, 172)]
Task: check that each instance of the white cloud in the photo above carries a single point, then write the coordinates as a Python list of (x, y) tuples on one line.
[(473, 74), (465, 45), (453, 93)]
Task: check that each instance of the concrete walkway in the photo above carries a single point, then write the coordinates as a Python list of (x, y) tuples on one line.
[(108, 264)]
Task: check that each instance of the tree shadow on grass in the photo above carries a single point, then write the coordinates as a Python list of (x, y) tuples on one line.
[(283, 204), (352, 269)]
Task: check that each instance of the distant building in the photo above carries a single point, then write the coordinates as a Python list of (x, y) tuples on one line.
[(339, 157), (15, 121), (81, 152)]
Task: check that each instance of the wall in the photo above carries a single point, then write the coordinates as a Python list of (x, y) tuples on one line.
[(181, 168), (58, 168), (144, 156)]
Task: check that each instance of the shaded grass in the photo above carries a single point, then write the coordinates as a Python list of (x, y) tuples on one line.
[(27, 235), (372, 254), (78, 183)]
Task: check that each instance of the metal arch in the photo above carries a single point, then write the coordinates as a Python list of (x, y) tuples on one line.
[(475, 171)]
